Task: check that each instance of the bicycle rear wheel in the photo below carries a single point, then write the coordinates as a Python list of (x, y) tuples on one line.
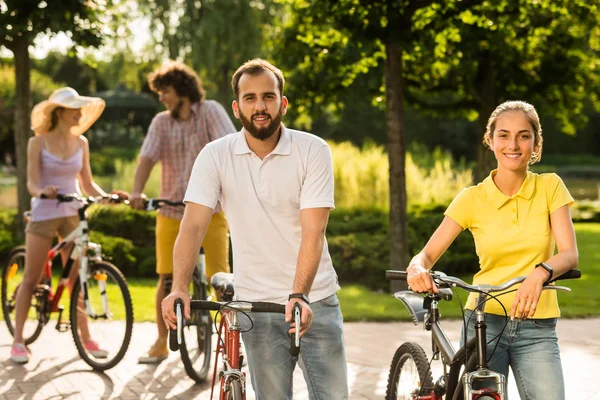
[(110, 327), (12, 276), (196, 346), (410, 374)]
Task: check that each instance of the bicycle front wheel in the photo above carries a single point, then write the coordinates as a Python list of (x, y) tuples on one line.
[(102, 338), (233, 390), (12, 276), (410, 375), (196, 346)]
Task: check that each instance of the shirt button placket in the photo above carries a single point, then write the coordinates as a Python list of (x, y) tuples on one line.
[(514, 211)]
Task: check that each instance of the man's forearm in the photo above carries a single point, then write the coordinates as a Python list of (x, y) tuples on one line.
[(194, 224), (142, 173), (185, 253), (309, 257)]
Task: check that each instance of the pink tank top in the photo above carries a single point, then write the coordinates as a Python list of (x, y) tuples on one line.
[(62, 173)]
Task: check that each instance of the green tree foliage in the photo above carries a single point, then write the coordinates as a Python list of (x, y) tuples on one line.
[(213, 36), (42, 86), (22, 22), (545, 52), (332, 43)]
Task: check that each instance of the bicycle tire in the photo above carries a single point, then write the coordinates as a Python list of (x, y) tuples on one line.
[(39, 300), (234, 390), (118, 345), (409, 352), (196, 356)]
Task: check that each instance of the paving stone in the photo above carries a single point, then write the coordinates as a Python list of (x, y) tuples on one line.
[(56, 371)]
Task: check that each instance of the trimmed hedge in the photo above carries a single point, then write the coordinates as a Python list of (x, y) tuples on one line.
[(358, 240)]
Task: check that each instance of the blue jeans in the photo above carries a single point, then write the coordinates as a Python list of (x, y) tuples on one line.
[(530, 347), (322, 354)]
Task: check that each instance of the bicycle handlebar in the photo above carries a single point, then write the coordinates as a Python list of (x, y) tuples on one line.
[(175, 336), (155, 204), (67, 198), (444, 280)]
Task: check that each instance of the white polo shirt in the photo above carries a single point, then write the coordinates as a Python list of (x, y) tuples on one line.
[(262, 200)]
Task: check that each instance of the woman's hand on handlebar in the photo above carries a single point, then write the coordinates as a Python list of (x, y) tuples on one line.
[(528, 295), (168, 308), (419, 279), (49, 192)]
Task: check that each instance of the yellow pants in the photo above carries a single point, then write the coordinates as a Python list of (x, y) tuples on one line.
[(215, 244)]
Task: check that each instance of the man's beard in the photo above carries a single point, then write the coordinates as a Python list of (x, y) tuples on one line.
[(265, 132), (177, 110)]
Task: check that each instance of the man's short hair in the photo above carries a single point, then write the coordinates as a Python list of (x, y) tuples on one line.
[(256, 67), (180, 77)]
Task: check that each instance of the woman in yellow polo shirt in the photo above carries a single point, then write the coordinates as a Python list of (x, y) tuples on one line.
[(517, 218)]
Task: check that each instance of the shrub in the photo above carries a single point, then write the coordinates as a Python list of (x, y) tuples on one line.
[(360, 249), (362, 176), (7, 231)]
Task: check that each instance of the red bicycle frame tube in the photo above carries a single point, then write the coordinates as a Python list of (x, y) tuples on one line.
[(229, 347)]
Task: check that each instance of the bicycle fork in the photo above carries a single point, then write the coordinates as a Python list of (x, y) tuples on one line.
[(476, 384)]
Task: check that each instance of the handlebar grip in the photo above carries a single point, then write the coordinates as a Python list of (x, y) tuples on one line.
[(571, 274), (259, 306), (393, 275), (295, 347), (173, 343), (204, 305)]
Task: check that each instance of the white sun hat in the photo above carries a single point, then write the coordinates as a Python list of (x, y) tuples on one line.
[(91, 108)]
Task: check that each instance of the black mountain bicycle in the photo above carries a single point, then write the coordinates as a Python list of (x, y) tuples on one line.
[(410, 373), (196, 345)]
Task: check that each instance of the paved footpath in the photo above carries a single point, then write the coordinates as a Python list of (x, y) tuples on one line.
[(56, 372)]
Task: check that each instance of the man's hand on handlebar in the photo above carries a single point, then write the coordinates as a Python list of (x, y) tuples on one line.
[(168, 307), (306, 315), (136, 200), (419, 279)]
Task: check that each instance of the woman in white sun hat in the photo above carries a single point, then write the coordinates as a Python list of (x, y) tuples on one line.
[(58, 161)]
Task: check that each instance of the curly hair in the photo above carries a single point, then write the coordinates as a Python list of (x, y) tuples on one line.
[(256, 67), (180, 77), (532, 117)]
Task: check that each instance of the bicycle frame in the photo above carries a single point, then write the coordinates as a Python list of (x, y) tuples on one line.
[(79, 237), (426, 310), (230, 350)]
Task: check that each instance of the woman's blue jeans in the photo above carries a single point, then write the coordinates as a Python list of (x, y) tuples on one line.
[(530, 348)]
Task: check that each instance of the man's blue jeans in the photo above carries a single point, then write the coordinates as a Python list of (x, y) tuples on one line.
[(322, 354), (530, 347)]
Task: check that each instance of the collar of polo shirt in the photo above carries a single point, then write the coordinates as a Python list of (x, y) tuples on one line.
[(498, 198), (284, 145)]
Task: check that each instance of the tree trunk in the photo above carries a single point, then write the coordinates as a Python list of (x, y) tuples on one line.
[(487, 103), (397, 159), (22, 123)]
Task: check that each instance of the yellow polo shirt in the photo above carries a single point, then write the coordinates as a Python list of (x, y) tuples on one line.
[(512, 234)]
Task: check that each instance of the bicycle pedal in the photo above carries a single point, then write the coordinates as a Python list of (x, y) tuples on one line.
[(63, 326)]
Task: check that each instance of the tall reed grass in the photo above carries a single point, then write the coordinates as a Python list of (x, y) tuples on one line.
[(362, 176)]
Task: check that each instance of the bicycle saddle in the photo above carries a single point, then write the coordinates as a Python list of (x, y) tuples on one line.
[(223, 284)]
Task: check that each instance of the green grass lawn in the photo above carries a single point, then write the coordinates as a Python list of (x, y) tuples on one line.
[(361, 304)]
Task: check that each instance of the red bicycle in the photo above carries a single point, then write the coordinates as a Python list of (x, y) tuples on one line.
[(232, 379), (99, 295)]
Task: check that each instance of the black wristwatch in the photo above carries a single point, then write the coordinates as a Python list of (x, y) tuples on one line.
[(301, 296), (547, 268)]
